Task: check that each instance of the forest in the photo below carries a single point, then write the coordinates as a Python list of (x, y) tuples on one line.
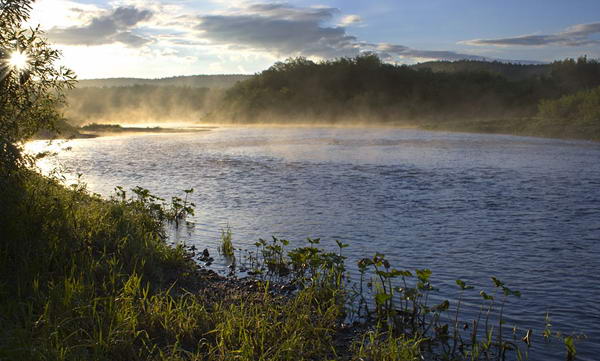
[(473, 96), (373, 91)]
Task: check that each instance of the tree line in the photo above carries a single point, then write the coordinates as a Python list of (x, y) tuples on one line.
[(367, 89)]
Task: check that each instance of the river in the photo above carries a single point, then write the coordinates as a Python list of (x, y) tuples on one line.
[(469, 206)]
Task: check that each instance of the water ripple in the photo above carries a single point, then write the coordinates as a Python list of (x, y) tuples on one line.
[(468, 206)]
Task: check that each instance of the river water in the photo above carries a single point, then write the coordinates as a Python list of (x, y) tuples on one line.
[(468, 206)]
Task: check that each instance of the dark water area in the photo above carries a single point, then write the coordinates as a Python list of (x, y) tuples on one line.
[(467, 206)]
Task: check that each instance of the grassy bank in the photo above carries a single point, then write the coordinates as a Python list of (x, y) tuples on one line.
[(82, 278), (86, 278), (534, 127)]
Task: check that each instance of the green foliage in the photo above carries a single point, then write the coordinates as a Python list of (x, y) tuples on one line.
[(365, 89), (226, 247), (401, 307), (67, 260), (303, 267), (507, 70), (83, 278), (582, 108), (377, 345), (29, 92)]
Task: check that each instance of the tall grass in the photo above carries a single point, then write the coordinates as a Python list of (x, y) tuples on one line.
[(85, 278), (226, 247)]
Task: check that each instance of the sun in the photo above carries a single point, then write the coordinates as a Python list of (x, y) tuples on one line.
[(18, 60)]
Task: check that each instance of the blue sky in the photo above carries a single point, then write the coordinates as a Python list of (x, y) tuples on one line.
[(159, 38)]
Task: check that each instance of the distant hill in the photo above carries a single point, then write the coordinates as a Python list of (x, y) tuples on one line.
[(508, 70), (225, 81), (193, 81)]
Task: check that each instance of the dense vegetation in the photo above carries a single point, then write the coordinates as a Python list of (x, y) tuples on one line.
[(463, 95), (28, 96), (570, 116), (581, 108), (474, 96), (507, 70), (83, 278)]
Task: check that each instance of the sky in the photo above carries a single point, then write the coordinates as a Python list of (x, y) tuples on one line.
[(162, 38)]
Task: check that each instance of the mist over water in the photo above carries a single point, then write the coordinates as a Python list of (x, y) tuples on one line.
[(466, 206)]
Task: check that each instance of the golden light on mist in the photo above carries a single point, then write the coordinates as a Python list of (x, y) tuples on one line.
[(18, 60)]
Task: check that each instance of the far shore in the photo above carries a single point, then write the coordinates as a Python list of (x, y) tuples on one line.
[(514, 127), (99, 130)]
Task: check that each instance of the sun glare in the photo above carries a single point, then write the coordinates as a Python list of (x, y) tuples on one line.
[(18, 60)]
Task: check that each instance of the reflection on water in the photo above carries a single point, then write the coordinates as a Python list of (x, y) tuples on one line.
[(467, 206)]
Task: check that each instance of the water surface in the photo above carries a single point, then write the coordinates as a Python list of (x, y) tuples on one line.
[(467, 206)]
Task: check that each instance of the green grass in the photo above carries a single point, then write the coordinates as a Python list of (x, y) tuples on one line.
[(532, 126), (226, 247), (69, 262), (86, 278)]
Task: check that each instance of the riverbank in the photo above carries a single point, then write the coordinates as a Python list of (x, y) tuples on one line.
[(87, 278), (63, 130), (531, 127), (92, 278)]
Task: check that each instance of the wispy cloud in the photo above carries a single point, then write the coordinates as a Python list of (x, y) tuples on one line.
[(281, 29), (229, 33), (286, 30), (115, 26), (577, 35), (350, 20), (391, 51)]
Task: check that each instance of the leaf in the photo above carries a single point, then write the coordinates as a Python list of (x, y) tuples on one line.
[(570, 345), (463, 285), (406, 273), (486, 296), (340, 244), (423, 274), (382, 298), (313, 241), (442, 306), (497, 282)]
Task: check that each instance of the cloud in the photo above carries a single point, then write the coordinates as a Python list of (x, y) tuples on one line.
[(390, 52), (577, 35), (114, 27), (350, 20), (286, 30), (270, 31), (281, 29)]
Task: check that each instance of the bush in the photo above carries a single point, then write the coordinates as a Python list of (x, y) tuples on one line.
[(581, 108), (31, 85)]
